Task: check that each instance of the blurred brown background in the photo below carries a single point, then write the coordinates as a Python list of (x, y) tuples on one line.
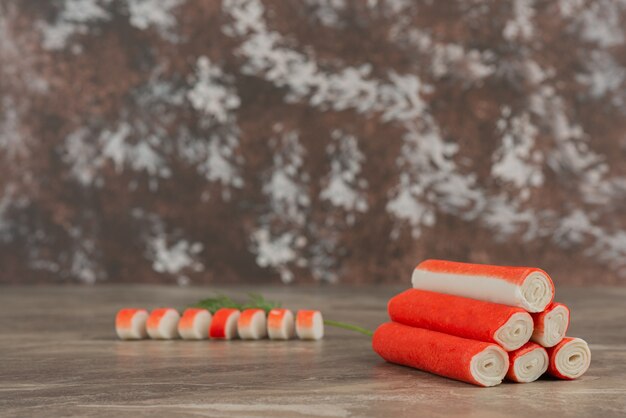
[(191, 141)]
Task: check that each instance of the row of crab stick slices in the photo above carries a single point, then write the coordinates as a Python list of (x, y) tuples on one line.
[(225, 324), (480, 323)]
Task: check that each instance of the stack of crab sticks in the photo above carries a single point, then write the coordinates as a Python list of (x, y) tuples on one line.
[(223, 324), (480, 324)]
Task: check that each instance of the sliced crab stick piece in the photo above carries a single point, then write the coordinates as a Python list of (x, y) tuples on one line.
[(309, 325), (525, 287), (527, 363), (162, 324), (130, 324), (224, 324), (569, 359), (551, 325), (476, 362), (194, 324), (280, 324), (252, 324), (508, 326)]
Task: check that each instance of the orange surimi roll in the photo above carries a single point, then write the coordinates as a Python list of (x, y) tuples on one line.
[(551, 325), (252, 324), (162, 324), (194, 324), (309, 325), (280, 324), (569, 359), (476, 362), (130, 324), (527, 363), (508, 326), (526, 287), (224, 324)]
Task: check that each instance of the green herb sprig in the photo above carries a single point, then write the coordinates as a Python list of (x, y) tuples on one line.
[(254, 301), (257, 301)]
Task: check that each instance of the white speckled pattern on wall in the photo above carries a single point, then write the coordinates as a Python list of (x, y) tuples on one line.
[(184, 141)]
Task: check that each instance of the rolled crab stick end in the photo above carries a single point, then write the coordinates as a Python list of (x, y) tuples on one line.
[(162, 324), (280, 324), (309, 325), (529, 288), (224, 324), (252, 324), (476, 362), (130, 324), (569, 359), (508, 326), (551, 325), (527, 363), (194, 324)]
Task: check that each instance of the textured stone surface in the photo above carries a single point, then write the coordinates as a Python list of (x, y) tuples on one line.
[(301, 140), (59, 357)]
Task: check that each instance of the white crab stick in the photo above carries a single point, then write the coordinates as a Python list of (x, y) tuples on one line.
[(526, 287), (252, 324), (162, 324), (309, 325), (130, 324), (550, 325), (224, 324), (569, 359), (527, 363), (280, 324), (194, 324)]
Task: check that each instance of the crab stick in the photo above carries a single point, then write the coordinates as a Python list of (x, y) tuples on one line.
[(194, 324), (526, 287), (569, 359), (476, 362), (252, 324), (527, 363), (130, 324), (280, 324), (162, 324), (224, 324), (309, 325), (508, 326), (551, 325)]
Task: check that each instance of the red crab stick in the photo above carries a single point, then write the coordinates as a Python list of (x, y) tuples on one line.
[(476, 362), (163, 323), (252, 324), (194, 324), (309, 325), (526, 287), (280, 324), (224, 324), (490, 322), (569, 359), (130, 324), (551, 325), (527, 363)]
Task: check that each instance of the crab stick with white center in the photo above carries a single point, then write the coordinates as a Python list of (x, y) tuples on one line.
[(309, 325), (130, 324), (508, 326), (551, 325), (162, 324), (194, 324), (280, 324), (526, 287), (252, 324), (527, 363), (476, 362), (224, 324), (569, 359)]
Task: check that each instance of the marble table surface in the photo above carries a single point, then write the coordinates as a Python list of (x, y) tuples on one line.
[(59, 357)]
